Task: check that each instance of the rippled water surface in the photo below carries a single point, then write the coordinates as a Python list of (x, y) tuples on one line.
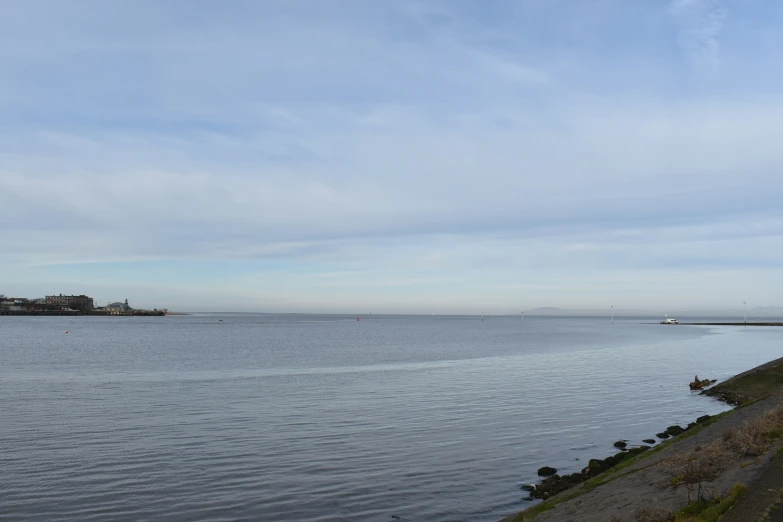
[(325, 418)]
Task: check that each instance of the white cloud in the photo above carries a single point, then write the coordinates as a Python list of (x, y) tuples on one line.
[(351, 149)]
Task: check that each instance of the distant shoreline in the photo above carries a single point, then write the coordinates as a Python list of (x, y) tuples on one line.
[(58, 313), (725, 324)]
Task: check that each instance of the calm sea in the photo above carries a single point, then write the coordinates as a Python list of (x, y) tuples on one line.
[(325, 418)]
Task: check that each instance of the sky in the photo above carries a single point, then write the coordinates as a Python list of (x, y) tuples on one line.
[(410, 156)]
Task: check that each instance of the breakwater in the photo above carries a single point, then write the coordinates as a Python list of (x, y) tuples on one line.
[(769, 323)]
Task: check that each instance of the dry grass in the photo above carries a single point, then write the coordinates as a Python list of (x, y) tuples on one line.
[(697, 469), (707, 462), (707, 511), (654, 514), (757, 435)]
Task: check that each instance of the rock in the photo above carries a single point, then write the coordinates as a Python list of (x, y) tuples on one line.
[(555, 484), (699, 384), (674, 430), (620, 444), (595, 466), (546, 471), (703, 418), (649, 441), (690, 425), (662, 435), (610, 462), (528, 487)]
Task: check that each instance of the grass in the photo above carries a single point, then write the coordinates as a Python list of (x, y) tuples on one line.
[(705, 511), (751, 462), (753, 386), (710, 511), (757, 435), (697, 468)]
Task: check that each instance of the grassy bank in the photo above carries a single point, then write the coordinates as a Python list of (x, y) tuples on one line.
[(720, 449), (750, 386)]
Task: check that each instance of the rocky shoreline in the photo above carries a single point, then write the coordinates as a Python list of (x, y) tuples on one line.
[(638, 480), (553, 483)]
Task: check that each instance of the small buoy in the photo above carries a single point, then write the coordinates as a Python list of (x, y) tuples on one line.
[(357, 318), (66, 331)]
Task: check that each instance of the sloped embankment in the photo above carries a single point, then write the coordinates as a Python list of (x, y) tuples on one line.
[(694, 476)]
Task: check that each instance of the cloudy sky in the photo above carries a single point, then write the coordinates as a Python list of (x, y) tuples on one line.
[(393, 156)]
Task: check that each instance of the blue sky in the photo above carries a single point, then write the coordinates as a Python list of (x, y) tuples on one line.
[(407, 156)]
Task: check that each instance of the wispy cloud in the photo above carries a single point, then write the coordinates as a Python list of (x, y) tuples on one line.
[(700, 23), (478, 149)]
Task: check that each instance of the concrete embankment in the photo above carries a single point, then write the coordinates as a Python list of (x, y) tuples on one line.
[(719, 468), (736, 324)]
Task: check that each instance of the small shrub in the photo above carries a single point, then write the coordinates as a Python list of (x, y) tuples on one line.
[(696, 469), (756, 436)]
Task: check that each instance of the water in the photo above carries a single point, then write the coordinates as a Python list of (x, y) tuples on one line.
[(323, 418)]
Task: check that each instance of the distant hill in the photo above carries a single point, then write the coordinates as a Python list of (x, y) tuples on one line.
[(553, 310), (548, 310)]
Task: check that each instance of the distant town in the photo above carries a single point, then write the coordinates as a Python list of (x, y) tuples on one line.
[(68, 305)]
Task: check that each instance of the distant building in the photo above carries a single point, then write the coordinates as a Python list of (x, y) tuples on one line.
[(74, 302), (15, 304), (118, 306)]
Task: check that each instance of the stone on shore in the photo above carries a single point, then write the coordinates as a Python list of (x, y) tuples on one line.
[(555, 483), (674, 430), (546, 471), (698, 384)]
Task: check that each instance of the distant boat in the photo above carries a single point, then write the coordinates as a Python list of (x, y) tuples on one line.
[(669, 321)]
